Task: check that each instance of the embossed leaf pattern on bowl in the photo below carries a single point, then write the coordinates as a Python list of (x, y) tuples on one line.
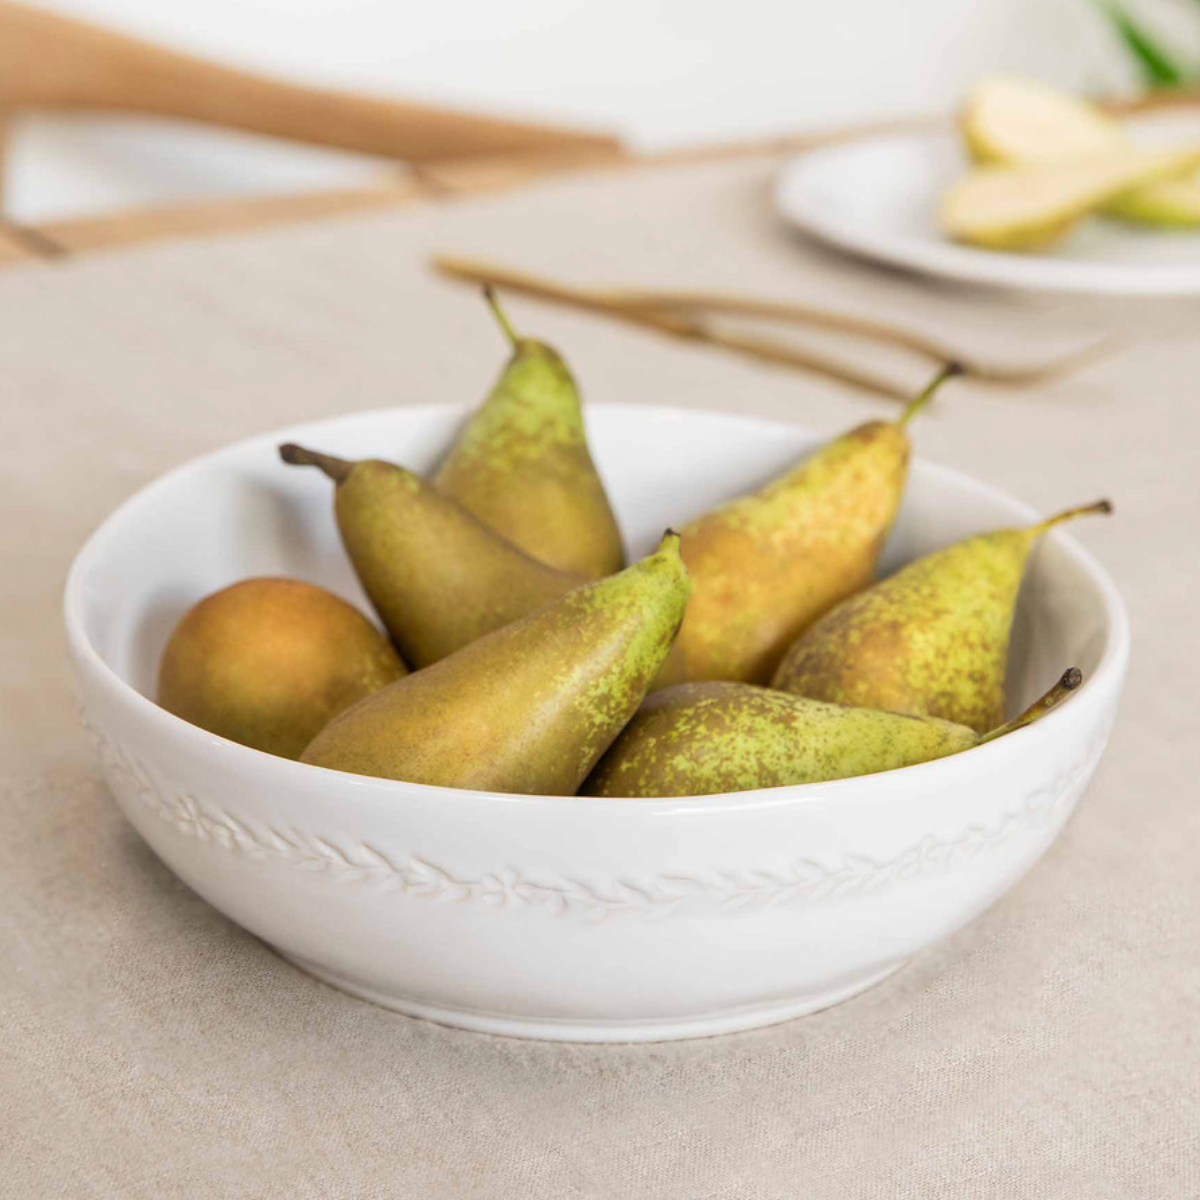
[(804, 882)]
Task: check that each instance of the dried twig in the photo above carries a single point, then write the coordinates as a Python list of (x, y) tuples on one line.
[(858, 326), (678, 314), (762, 349)]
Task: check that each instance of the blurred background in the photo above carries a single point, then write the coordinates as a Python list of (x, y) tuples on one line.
[(659, 73)]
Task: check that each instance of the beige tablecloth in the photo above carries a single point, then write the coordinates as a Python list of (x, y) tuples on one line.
[(149, 1048)]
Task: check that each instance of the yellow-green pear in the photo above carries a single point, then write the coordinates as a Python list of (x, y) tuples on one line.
[(766, 565), (269, 662), (438, 577), (1007, 120), (704, 739), (1032, 204), (929, 641), (521, 464), (1173, 204), (531, 707)]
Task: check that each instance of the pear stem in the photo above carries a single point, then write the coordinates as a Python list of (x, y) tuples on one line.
[(493, 301), (1100, 507), (1071, 679), (338, 469), (914, 406)]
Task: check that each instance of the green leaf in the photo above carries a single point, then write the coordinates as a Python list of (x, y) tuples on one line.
[(1158, 68)]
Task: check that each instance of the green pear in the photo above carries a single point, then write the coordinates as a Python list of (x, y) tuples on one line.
[(531, 707), (704, 739), (766, 565), (929, 641), (521, 464), (1030, 205), (438, 577), (269, 662), (1018, 120)]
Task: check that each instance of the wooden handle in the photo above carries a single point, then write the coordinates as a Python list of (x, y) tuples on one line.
[(14, 247), (684, 315), (47, 61)]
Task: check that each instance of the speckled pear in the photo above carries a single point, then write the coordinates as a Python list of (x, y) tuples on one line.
[(438, 577), (531, 707), (704, 739), (269, 662), (768, 564), (522, 465), (931, 640)]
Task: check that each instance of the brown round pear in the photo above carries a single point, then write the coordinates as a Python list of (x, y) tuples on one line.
[(269, 662)]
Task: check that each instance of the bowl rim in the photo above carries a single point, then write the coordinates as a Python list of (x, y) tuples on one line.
[(860, 788)]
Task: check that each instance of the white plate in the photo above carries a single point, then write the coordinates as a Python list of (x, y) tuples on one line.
[(878, 198)]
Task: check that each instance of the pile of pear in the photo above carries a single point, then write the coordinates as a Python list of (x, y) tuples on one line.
[(518, 653), (1046, 159)]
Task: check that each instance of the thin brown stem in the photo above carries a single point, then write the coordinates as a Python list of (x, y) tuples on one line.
[(1098, 508), (338, 469), (949, 371), (1070, 680), (493, 302)]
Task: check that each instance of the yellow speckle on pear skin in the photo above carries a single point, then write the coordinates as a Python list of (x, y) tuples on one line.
[(437, 576), (767, 565), (931, 640), (530, 707), (533, 407), (521, 464), (701, 739)]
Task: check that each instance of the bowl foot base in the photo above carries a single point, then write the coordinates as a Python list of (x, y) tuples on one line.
[(660, 1029)]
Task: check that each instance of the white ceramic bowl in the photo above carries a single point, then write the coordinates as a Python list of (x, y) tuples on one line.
[(574, 919)]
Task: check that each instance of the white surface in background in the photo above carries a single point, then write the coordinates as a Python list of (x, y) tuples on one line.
[(663, 72)]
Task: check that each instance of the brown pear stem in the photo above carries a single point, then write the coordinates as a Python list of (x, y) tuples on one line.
[(338, 469), (1071, 679), (949, 371), (493, 301), (1099, 508), (670, 538)]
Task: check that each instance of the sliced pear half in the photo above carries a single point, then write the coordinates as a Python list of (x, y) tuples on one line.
[(1018, 120), (1030, 205), (1174, 203), (1008, 121)]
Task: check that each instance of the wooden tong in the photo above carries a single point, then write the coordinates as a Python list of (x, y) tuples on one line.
[(683, 315)]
